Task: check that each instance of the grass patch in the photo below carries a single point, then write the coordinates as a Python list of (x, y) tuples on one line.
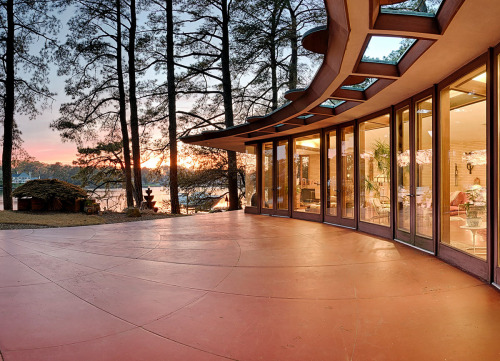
[(50, 219)]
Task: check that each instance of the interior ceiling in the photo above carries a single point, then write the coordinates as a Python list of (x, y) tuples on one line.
[(472, 31), (466, 118)]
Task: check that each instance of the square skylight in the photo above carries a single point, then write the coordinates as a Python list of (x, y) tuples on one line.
[(365, 84), (305, 116), (387, 49), (427, 8), (332, 103)]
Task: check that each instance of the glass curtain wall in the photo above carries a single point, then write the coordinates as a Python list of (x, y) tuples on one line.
[(267, 175), (403, 159), (306, 173), (331, 171), (251, 176), (464, 164), (423, 168), (282, 170), (347, 164), (375, 170)]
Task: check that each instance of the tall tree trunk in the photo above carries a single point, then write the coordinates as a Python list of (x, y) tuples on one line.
[(172, 117), (228, 107), (134, 118), (274, 62), (8, 109), (123, 116), (294, 56)]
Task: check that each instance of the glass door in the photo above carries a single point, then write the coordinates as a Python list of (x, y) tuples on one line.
[(464, 173), (340, 191), (347, 176), (282, 181), (275, 178), (404, 170), (414, 190), (268, 202), (307, 177), (374, 164), (332, 209)]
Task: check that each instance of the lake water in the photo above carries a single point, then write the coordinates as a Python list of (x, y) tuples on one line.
[(115, 199)]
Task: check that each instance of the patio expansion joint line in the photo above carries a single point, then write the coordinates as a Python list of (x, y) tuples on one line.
[(215, 291), (356, 305), (25, 285), (17, 238), (205, 291), (97, 270), (121, 319), (82, 251)]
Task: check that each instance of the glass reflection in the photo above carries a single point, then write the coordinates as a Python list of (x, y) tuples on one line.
[(347, 164), (267, 175), (413, 7), (306, 171), (282, 169), (375, 170), (423, 168), (464, 164), (403, 158), (251, 176), (331, 165)]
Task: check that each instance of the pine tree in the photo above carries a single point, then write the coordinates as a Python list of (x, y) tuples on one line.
[(92, 60), (22, 24)]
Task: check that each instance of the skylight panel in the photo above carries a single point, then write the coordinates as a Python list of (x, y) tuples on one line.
[(427, 8), (332, 103), (365, 84), (387, 49)]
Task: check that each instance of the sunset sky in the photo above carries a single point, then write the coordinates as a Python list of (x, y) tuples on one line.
[(46, 145)]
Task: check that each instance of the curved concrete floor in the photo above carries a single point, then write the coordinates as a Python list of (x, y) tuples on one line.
[(235, 286)]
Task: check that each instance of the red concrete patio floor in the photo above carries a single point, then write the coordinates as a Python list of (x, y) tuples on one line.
[(235, 286)]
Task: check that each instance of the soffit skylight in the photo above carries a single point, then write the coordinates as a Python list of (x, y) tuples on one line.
[(387, 49), (365, 84), (332, 103), (427, 8)]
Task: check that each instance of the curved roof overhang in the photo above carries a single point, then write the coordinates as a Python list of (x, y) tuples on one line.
[(460, 32)]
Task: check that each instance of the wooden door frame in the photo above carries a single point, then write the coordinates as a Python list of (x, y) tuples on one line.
[(456, 257), (317, 217), (281, 212), (346, 222), (495, 149), (258, 164), (421, 242), (376, 229), (328, 218)]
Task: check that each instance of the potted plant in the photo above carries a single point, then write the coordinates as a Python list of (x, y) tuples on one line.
[(474, 206)]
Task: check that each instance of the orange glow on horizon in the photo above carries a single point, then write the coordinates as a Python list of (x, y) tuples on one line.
[(182, 161)]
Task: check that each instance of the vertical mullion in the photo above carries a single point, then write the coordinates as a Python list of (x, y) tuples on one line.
[(413, 173), (436, 168), (290, 176), (495, 164), (275, 177), (490, 158), (259, 175), (339, 174)]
